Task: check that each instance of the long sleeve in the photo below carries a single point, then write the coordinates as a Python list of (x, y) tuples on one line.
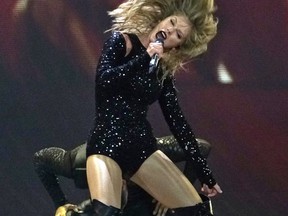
[(183, 133), (112, 70)]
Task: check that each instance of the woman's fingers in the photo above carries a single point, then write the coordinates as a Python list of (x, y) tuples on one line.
[(159, 210), (217, 188), (211, 192), (155, 48)]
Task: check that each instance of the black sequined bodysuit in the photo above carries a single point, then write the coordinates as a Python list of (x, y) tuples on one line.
[(124, 90)]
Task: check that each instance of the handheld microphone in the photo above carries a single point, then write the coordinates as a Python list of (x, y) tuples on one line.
[(153, 65)]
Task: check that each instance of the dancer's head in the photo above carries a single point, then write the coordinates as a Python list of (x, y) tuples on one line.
[(192, 19)]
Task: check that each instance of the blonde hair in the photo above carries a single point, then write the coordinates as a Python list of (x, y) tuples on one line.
[(141, 16)]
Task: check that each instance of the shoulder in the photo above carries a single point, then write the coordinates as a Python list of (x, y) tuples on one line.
[(122, 39), (128, 43), (116, 37)]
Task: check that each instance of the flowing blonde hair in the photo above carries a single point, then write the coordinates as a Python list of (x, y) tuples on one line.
[(141, 16)]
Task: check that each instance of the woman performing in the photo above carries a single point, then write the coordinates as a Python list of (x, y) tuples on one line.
[(121, 144)]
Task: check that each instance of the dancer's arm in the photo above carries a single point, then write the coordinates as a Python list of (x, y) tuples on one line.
[(184, 134), (48, 164)]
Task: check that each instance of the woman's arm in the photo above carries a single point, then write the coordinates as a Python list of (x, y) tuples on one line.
[(49, 163), (111, 71), (183, 133)]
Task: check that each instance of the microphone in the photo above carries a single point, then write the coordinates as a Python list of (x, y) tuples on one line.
[(153, 65)]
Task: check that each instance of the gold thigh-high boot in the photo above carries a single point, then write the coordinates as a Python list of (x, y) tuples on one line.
[(201, 209)]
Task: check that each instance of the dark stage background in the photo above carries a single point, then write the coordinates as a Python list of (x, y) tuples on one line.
[(235, 96)]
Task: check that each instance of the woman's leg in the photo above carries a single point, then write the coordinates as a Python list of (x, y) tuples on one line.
[(165, 182), (104, 178)]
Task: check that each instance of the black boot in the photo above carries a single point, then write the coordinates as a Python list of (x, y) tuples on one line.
[(94, 208), (100, 209), (201, 209), (206, 206)]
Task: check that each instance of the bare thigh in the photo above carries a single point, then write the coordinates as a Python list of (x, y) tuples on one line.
[(159, 176), (104, 178)]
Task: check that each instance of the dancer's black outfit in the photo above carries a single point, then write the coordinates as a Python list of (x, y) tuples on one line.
[(52, 162), (124, 90)]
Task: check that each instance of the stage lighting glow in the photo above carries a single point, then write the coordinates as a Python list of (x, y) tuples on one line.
[(223, 74)]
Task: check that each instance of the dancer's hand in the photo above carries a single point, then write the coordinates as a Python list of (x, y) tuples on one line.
[(211, 192), (160, 209), (62, 210), (155, 48)]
